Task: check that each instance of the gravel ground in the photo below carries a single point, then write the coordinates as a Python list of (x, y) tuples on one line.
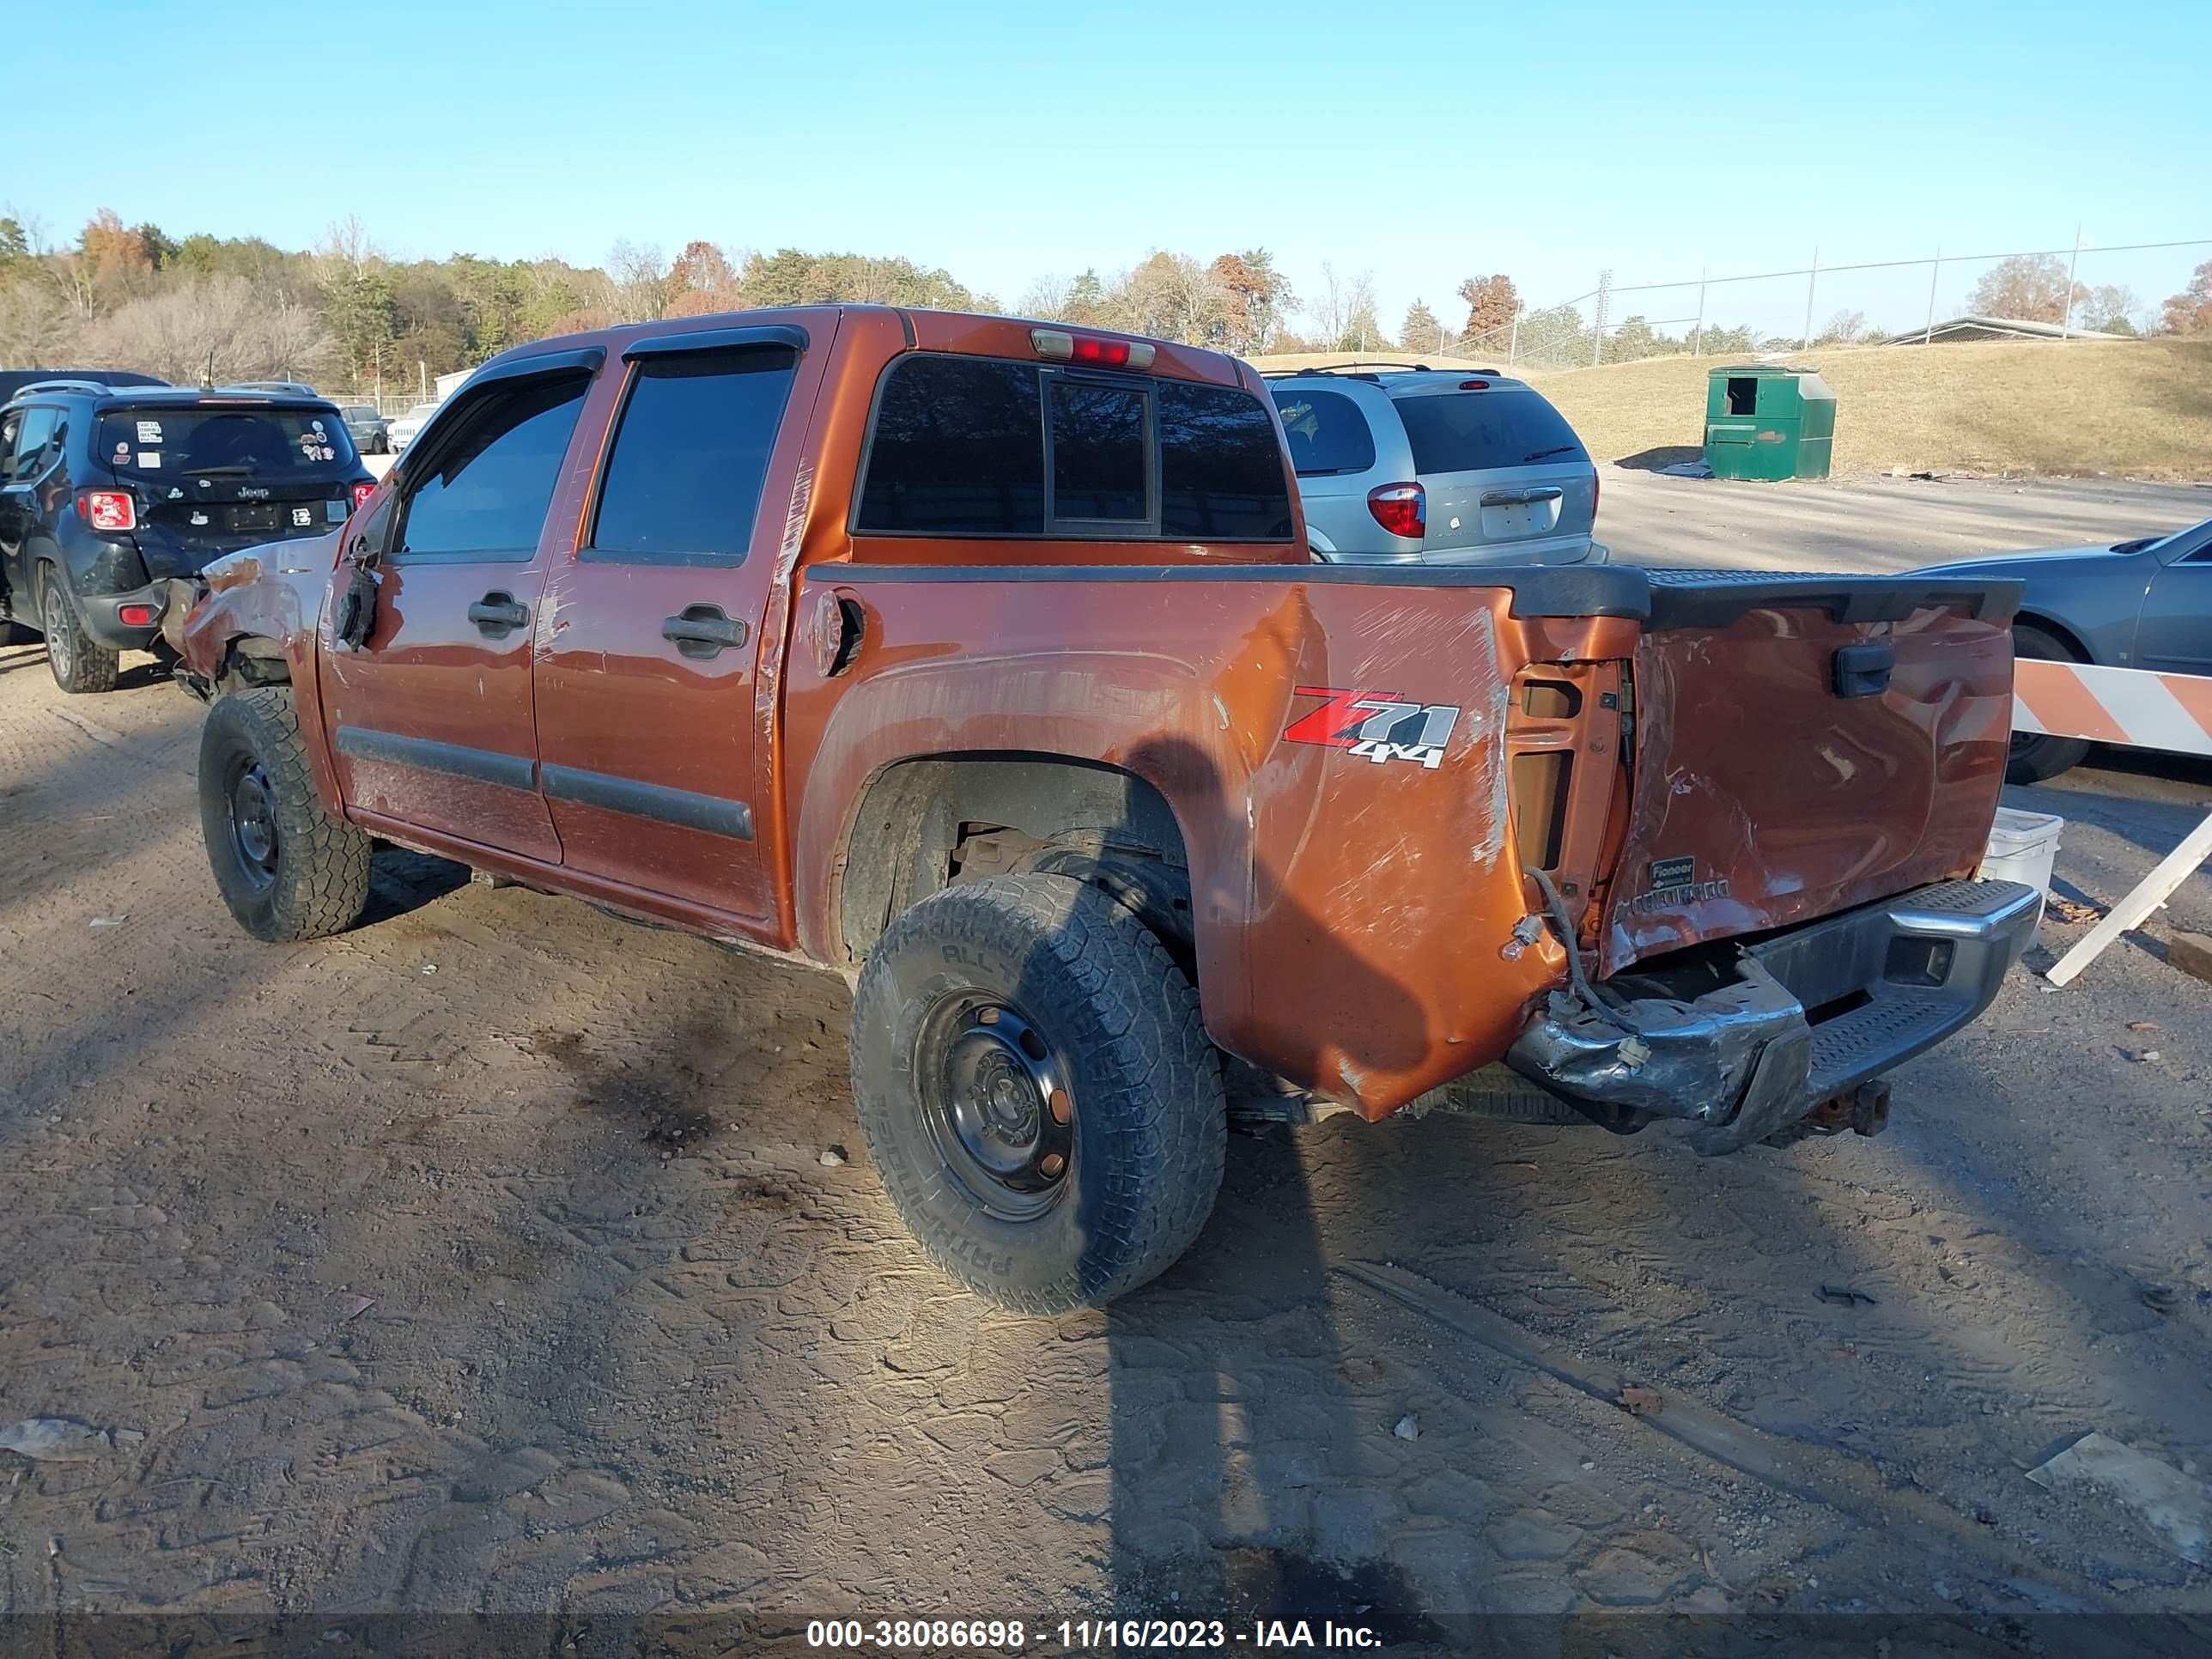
[(487, 1258)]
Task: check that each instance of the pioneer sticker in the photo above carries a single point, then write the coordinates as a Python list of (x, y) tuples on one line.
[(1375, 725), (1673, 885)]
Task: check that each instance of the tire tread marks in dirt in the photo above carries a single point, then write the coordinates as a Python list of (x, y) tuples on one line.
[(1151, 1122)]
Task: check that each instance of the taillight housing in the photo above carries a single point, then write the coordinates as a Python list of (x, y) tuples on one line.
[(1597, 484), (361, 492), (108, 510), (1400, 508), (1092, 350)]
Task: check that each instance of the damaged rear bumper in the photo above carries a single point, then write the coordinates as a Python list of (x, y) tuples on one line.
[(1798, 1019)]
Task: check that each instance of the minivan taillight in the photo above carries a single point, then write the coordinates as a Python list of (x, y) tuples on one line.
[(1597, 483), (1400, 508), (361, 492), (107, 509)]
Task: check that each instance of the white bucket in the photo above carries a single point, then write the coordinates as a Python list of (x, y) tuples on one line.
[(2023, 846)]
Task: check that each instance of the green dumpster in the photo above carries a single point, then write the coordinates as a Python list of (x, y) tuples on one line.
[(1763, 421)]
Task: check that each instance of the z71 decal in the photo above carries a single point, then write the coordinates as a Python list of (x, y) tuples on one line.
[(1375, 725)]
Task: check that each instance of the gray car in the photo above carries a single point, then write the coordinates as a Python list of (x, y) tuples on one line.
[(1436, 466), (2144, 603), (371, 435)]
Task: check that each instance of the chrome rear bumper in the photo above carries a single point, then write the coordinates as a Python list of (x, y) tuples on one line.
[(1808, 1016)]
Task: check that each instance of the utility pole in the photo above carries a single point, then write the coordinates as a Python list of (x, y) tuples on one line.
[(1697, 334), (1927, 333), (2066, 324), (1597, 334), (1513, 340), (1811, 277)]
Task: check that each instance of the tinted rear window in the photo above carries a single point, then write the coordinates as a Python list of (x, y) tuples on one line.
[(960, 443), (691, 454), (1474, 431), (1099, 451), (271, 444), (1221, 468), (958, 450), (1325, 430)]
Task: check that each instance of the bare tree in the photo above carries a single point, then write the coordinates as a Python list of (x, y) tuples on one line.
[(37, 328), (641, 280), (1045, 299), (2110, 309), (213, 330), (2027, 288)]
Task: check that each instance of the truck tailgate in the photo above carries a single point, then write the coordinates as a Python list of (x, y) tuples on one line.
[(1804, 745)]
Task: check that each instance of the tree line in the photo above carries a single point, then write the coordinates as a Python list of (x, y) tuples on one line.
[(203, 309)]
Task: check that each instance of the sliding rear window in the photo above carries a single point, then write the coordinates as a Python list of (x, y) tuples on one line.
[(975, 447), (275, 444)]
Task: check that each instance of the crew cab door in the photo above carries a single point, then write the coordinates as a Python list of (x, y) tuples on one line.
[(651, 698), (430, 721)]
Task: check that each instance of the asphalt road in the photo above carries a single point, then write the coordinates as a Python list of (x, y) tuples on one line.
[(1874, 524)]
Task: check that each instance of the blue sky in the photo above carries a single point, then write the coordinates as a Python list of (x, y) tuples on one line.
[(1419, 143)]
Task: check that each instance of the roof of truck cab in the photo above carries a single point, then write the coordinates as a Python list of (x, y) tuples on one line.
[(973, 333)]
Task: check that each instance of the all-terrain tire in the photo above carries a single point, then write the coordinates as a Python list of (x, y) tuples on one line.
[(79, 662), (313, 879), (2033, 758), (1149, 1126)]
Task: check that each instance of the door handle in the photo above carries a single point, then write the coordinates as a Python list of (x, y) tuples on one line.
[(702, 630), (1519, 497), (496, 614)]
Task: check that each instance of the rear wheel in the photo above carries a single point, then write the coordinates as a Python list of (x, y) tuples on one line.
[(79, 662), (289, 868), (1036, 1091), (2036, 756)]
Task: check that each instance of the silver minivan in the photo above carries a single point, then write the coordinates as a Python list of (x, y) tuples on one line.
[(1437, 466)]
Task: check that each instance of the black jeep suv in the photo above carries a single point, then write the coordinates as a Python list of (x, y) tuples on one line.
[(110, 493)]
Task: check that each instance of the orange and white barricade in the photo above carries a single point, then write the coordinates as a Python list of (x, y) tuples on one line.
[(2142, 710)]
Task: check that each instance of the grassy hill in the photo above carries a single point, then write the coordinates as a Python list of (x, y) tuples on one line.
[(2140, 410)]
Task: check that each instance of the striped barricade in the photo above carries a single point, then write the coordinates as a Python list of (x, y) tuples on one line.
[(2128, 706), (2142, 710)]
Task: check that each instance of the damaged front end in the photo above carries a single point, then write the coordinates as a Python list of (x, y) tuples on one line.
[(1744, 1042)]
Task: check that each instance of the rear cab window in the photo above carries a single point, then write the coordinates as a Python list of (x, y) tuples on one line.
[(272, 445), (1480, 431), (1327, 431), (977, 446)]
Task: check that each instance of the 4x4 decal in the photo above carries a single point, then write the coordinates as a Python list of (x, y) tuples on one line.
[(1375, 725)]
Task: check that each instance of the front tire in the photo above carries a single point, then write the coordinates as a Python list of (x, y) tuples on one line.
[(2035, 756), (79, 663), (289, 868), (1037, 1093)]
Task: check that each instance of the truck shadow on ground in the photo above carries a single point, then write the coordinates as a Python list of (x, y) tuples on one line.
[(1237, 1452)]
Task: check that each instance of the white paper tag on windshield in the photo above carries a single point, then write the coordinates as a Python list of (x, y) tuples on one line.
[(150, 431), (149, 457)]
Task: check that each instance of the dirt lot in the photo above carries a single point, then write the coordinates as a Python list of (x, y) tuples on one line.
[(487, 1258)]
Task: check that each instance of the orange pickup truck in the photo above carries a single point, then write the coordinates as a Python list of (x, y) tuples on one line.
[(985, 663)]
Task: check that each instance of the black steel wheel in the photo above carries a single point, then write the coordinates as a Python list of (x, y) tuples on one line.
[(289, 868), (995, 1099), (1036, 1091)]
